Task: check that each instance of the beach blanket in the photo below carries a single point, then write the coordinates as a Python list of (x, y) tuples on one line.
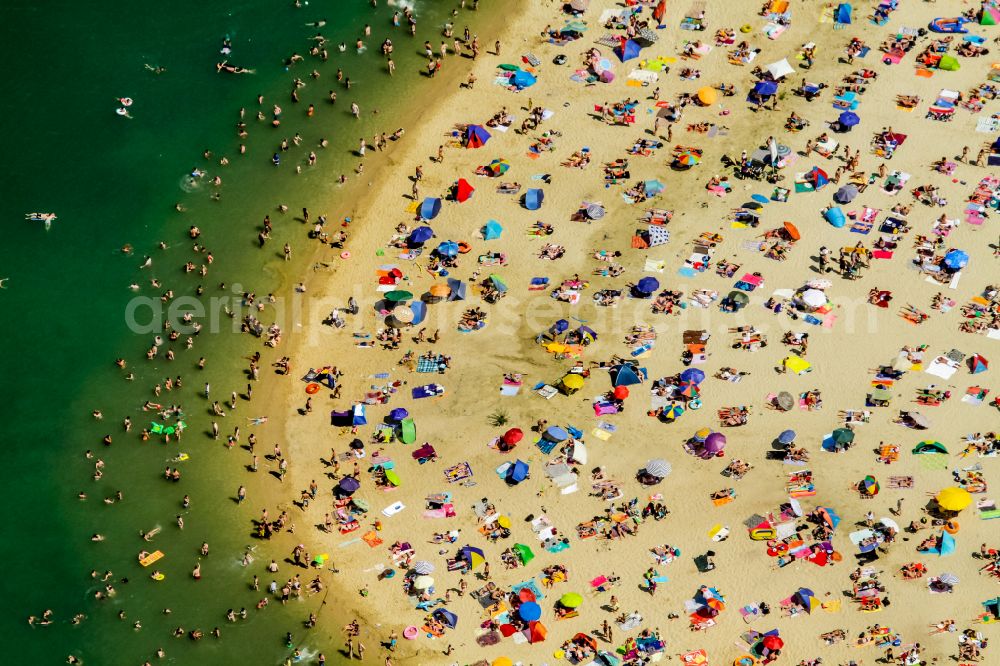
[(427, 391), (429, 364)]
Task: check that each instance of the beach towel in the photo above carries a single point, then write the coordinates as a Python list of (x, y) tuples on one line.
[(459, 472), (371, 538), (427, 391)]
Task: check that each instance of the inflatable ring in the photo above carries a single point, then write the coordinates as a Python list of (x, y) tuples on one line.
[(695, 404), (345, 255), (951, 526), (158, 577), (312, 388), (126, 101), (121, 111), (772, 552), (410, 633), (745, 28), (463, 247)]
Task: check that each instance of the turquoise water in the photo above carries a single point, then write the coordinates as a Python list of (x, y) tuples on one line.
[(114, 180)]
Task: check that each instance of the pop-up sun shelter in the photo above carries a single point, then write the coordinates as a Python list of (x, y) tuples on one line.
[(627, 375), (627, 50), (463, 190), (476, 136), (533, 199), (517, 472), (429, 208), (492, 230)]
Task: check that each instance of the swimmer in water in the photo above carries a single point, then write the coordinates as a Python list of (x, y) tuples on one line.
[(147, 262), (156, 70), (2, 281), (317, 24)]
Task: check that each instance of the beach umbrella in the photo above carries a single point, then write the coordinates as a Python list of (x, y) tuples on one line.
[(398, 295), (765, 88), (423, 567), (792, 231), (787, 437), (463, 190), (671, 412), (504, 521), (954, 499), (956, 260), (419, 311), (688, 389), (715, 442), (869, 485), (653, 187), (687, 158), (430, 207), (848, 119), (476, 136), (702, 434), (919, 420), (403, 314), (814, 298), (422, 582), (707, 95), (843, 436), (556, 434), (513, 436), (420, 235), (785, 400), (846, 194), (573, 381), (474, 556), (646, 37), (693, 375), (587, 334), (578, 6), (498, 283), (780, 69), (948, 579), (398, 414), (738, 299), (772, 642), (595, 211), (647, 285), (439, 290), (360, 504), (658, 467), (570, 600), (529, 611), (348, 485), (620, 392), (447, 249), (502, 661)]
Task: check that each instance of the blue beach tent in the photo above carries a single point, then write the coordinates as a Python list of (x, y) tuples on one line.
[(533, 199)]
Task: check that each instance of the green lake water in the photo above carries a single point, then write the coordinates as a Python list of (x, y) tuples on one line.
[(114, 180)]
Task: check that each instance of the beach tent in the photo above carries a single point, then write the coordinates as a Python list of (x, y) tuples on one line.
[(429, 208), (419, 310), (945, 545), (989, 15), (463, 190), (829, 516), (407, 431), (517, 472), (458, 289), (524, 553), (476, 136), (843, 14), (817, 178), (533, 198), (522, 79), (948, 63), (928, 446), (537, 632), (446, 617), (627, 50), (779, 70), (977, 364), (835, 216), (492, 230), (626, 375)]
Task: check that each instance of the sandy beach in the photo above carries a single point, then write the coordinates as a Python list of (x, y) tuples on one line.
[(854, 348)]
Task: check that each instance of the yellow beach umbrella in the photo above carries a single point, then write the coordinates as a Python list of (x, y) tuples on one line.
[(503, 521), (954, 499), (707, 95), (502, 661), (573, 381)]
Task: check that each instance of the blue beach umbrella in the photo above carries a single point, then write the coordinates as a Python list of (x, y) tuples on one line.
[(529, 611), (648, 285), (693, 375), (420, 235), (653, 187), (849, 119), (447, 249), (787, 437), (398, 414), (557, 434), (956, 260)]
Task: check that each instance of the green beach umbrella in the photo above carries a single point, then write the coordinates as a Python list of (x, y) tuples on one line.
[(843, 436), (571, 600), (524, 552), (398, 295)]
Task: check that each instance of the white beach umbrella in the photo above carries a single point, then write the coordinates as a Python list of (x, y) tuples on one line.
[(423, 567)]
